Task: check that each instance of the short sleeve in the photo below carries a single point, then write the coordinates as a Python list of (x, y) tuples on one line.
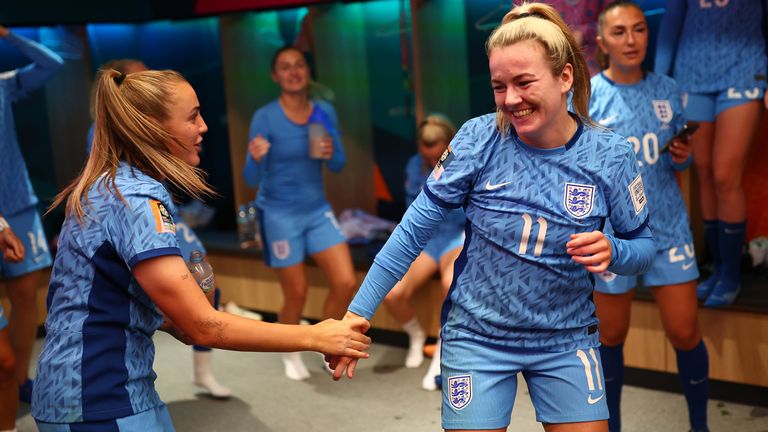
[(455, 172), (626, 193), (141, 230)]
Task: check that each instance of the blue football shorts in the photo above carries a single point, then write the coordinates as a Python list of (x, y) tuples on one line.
[(705, 107), (670, 267), (480, 384), (157, 419), (28, 226), (290, 235)]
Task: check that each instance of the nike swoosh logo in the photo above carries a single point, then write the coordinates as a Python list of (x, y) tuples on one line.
[(489, 186), (607, 120), (695, 382), (594, 401), (687, 266)]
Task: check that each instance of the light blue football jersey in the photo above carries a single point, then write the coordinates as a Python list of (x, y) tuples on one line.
[(514, 282), (16, 191), (722, 46), (415, 177), (96, 362), (648, 114), (287, 177)]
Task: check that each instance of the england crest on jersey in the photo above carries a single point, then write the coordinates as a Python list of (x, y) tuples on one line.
[(663, 110), (578, 199), (460, 390)]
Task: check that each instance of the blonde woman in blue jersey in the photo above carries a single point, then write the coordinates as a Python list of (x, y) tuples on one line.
[(295, 218), (646, 108), (537, 184), (438, 256), (716, 51), (202, 357), (119, 276), (11, 250), (18, 203)]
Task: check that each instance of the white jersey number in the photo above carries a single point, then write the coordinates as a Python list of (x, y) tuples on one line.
[(649, 146), (37, 241), (706, 4), (527, 227), (588, 369)]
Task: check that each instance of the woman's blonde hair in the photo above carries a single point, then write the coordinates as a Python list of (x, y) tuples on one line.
[(435, 128), (130, 111), (542, 23)]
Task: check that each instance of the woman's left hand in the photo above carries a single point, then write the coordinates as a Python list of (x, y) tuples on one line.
[(590, 249), (326, 148), (680, 151)]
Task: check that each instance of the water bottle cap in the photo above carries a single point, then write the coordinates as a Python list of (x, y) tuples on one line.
[(196, 257)]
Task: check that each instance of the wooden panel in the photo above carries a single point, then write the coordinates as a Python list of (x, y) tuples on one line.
[(646, 345), (251, 284)]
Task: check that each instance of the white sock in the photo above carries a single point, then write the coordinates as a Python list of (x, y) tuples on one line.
[(416, 339), (294, 366), (428, 383), (204, 375)]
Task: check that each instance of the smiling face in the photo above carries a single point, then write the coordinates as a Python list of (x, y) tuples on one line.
[(186, 124), (291, 71), (624, 38), (526, 92)]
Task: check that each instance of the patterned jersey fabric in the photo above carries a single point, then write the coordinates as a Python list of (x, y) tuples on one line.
[(96, 362), (648, 114)]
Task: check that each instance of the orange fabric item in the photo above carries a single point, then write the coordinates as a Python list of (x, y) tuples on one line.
[(381, 191)]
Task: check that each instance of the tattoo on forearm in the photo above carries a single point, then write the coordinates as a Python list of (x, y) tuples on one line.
[(217, 327), (185, 276)]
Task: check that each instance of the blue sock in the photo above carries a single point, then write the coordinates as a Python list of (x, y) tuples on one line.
[(731, 243), (613, 371), (693, 367), (711, 235)]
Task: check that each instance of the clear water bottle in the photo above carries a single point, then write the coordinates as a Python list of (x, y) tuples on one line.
[(244, 234), (201, 271), (317, 134), (253, 226)]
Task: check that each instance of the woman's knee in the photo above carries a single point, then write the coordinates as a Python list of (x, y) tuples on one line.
[(684, 337), (7, 366), (613, 334)]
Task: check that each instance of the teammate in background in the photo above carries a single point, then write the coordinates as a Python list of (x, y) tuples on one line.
[(433, 136), (725, 98), (537, 184), (12, 250), (202, 357), (118, 279), (295, 217), (17, 203), (647, 109)]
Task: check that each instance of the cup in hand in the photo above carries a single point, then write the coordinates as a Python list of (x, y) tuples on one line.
[(317, 136)]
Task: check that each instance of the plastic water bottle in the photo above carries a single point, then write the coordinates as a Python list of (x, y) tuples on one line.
[(201, 271), (243, 230), (253, 226), (317, 133)]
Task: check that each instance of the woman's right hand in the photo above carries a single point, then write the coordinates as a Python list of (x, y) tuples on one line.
[(258, 147), (342, 338)]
